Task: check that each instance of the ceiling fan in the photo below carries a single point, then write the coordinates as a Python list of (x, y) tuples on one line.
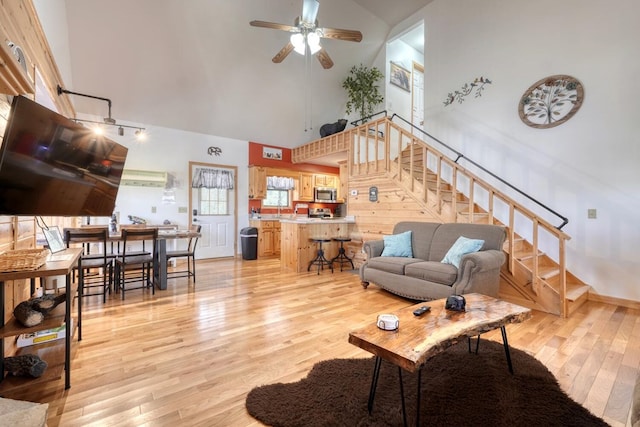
[(306, 35)]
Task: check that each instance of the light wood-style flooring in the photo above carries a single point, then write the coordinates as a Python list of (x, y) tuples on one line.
[(189, 355)]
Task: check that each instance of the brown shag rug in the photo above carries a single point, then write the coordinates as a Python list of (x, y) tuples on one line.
[(458, 389)]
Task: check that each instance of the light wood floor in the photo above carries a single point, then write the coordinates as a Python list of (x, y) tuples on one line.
[(189, 355)]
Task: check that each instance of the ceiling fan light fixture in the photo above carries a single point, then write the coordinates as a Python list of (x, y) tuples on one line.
[(313, 40), (297, 40)]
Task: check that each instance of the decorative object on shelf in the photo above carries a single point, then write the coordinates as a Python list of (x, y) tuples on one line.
[(551, 101), (136, 219), (459, 95), (272, 153), (331, 128), (23, 259), (400, 76), (363, 92), (32, 311), (214, 151), (25, 365)]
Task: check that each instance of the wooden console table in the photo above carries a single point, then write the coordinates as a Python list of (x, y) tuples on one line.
[(61, 263)]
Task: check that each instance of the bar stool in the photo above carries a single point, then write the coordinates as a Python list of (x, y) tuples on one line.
[(342, 257), (320, 260)]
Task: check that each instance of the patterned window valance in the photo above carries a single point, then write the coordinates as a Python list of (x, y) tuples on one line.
[(212, 178), (280, 183)]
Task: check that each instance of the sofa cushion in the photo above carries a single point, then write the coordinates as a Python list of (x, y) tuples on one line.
[(461, 247), (447, 234), (391, 264), (398, 245), (432, 271), (421, 238)]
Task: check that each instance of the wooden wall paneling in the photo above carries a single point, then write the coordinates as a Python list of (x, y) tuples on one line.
[(19, 23), (25, 229), (375, 219)]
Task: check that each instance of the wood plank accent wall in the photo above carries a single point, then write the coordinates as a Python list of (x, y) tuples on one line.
[(19, 24), (375, 219)]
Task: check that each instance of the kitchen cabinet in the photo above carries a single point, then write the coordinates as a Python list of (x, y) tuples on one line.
[(257, 182), (325, 180), (268, 237), (305, 191), (343, 190)]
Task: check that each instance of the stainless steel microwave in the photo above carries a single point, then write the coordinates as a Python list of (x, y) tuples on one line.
[(325, 194)]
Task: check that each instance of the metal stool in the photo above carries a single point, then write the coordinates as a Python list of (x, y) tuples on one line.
[(320, 260), (342, 257)]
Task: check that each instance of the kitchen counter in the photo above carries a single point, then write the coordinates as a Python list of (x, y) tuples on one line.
[(305, 220), (297, 250), (340, 220)]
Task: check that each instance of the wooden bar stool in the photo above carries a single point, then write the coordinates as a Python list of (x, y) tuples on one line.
[(342, 257), (320, 260)]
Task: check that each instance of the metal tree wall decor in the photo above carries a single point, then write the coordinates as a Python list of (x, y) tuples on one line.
[(465, 90), (551, 101)]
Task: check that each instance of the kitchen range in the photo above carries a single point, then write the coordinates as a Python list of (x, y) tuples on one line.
[(319, 213)]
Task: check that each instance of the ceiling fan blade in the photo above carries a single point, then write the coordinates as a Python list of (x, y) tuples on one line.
[(310, 11), (274, 26), (324, 58), (338, 34), (284, 52)]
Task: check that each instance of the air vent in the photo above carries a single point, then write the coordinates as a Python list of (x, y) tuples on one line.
[(142, 178)]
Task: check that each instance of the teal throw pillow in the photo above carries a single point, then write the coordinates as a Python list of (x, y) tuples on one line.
[(398, 245), (461, 247)]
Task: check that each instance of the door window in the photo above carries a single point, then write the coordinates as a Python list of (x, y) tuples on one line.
[(213, 201)]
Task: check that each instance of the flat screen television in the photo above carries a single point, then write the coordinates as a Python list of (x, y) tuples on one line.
[(53, 166)]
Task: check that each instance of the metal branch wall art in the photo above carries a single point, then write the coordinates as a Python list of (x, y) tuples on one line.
[(214, 151), (551, 101), (477, 85)]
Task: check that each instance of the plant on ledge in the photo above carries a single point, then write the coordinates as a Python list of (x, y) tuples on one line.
[(362, 90)]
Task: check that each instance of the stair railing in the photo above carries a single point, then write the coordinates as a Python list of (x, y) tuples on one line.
[(376, 147)]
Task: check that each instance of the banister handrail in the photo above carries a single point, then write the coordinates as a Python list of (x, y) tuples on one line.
[(460, 155)]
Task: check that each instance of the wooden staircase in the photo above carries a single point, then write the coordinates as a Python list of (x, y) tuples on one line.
[(532, 277)]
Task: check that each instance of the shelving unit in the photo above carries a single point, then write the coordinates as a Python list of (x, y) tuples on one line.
[(57, 353)]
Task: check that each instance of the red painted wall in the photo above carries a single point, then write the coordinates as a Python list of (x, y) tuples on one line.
[(256, 159)]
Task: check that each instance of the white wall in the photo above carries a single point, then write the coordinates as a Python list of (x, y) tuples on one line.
[(591, 161), (171, 150), (398, 100)]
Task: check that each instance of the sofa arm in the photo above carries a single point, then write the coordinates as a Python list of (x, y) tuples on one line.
[(483, 260), (480, 272), (373, 248)]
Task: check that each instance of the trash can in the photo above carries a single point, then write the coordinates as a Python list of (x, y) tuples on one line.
[(249, 242)]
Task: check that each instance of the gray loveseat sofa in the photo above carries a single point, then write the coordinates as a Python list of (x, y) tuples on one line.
[(423, 276)]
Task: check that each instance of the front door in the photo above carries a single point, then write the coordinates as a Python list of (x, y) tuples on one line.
[(214, 209)]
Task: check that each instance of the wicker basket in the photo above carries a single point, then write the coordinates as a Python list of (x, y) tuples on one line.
[(23, 259)]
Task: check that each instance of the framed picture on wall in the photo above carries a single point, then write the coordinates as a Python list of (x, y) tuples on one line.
[(400, 77), (272, 153)]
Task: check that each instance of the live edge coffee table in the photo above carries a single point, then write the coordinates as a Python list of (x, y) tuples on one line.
[(418, 339)]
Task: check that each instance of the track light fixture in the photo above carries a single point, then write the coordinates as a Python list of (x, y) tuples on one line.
[(139, 132)]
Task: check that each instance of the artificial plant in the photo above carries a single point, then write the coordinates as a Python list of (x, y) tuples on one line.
[(362, 90)]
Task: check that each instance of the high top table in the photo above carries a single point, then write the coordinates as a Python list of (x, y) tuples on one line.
[(418, 339)]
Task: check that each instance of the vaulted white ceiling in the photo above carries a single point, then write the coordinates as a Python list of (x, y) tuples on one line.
[(198, 66)]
